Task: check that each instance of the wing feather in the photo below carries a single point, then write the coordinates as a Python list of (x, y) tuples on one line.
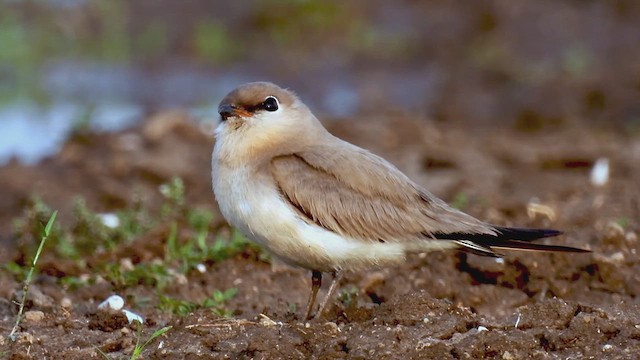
[(357, 194)]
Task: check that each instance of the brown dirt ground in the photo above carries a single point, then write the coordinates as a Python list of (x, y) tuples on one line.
[(438, 305)]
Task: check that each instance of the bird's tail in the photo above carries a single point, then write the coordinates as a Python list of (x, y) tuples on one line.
[(508, 238)]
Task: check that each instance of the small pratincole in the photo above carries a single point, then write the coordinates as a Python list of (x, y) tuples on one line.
[(321, 203)]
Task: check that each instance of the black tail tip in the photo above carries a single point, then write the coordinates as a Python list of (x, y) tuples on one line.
[(550, 233), (525, 234)]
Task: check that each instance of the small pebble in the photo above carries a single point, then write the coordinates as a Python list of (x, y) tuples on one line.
[(34, 315), (181, 279), (332, 327), (266, 321), (201, 268), (113, 302), (109, 220), (482, 328), (600, 172), (66, 303), (614, 231), (127, 264), (131, 316), (40, 299), (507, 356), (24, 337), (607, 347)]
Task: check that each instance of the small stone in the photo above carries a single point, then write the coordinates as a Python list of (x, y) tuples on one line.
[(131, 316), (615, 259), (507, 356), (113, 302), (1, 340), (125, 331), (266, 321), (613, 231), (109, 220), (332, 327), (607, 347), (599, 175), (39, 299), (482, 328), (202, 268), (24, 337), (609, 269), (66, 303), (631, 238), (34, 315), (126, 264), (181, 279)]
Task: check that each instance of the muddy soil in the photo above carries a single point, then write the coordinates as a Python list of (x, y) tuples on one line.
[(441, 305)]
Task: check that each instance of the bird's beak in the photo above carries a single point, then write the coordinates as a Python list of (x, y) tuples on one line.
[(226, 111)]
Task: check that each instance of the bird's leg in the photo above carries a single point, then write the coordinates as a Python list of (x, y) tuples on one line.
[(337, 276), (316, 282)]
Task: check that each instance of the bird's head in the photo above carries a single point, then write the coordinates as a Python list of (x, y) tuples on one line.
[(261, 117)]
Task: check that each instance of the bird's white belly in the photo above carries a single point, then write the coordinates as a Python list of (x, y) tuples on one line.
[(255, 207)]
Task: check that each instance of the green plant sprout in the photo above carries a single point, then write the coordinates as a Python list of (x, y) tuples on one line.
[(139, 348), (25, 290), (215, 302)]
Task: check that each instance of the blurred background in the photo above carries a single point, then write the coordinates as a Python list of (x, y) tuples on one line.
[(105, 65)]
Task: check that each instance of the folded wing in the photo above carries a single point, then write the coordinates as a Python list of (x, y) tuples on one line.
[(359, 195)]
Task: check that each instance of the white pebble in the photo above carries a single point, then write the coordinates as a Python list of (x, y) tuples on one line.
[(113, 302), (131, 316), (201, 268), (110, 220), (600, 172), (482, 328), (607, 347)]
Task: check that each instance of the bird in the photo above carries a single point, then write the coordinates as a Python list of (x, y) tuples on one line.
[(318, 202)]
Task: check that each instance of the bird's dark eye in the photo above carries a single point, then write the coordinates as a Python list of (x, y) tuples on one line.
[(270, 104)]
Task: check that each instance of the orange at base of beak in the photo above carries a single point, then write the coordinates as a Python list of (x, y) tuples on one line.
[(226, 111)]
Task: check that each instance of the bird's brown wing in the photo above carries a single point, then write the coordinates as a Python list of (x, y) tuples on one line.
[(357, 194)]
